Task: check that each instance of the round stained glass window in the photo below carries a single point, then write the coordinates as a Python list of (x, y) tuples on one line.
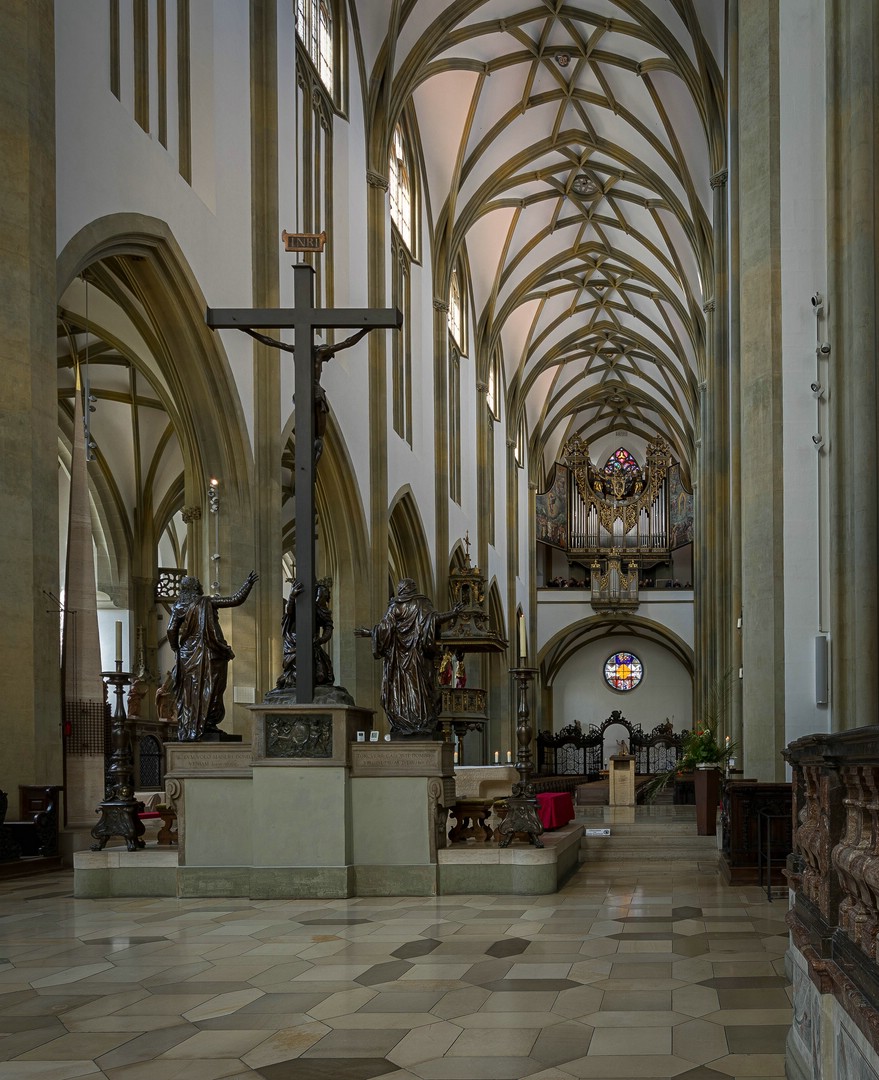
[(623, 671)]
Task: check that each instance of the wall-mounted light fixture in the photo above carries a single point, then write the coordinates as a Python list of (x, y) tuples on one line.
[(817, 389), (823, 348), (817, 303), (818, 440)]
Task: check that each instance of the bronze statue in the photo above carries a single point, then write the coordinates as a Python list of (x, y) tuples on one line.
[(406, 640), (203, 656), (320, 354), (323, 631)]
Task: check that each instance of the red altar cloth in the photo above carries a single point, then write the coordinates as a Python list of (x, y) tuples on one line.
[(555, 808)]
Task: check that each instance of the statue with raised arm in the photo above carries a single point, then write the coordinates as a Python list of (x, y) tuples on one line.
[(320, 355), (406, 640), (203, 656), (323, 631)]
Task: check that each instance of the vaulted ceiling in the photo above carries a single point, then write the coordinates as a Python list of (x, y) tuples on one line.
[(567, 154)]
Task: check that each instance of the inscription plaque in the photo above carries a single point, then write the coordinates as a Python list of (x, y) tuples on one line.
[(299, 735)]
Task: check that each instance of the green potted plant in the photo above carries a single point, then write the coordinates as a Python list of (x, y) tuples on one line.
[(704, 756)]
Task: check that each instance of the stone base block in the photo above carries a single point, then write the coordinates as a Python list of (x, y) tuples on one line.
[(395, 880), (517, 870)]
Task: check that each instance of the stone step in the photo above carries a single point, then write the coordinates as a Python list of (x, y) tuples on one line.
[(649, 841), (654, 829)]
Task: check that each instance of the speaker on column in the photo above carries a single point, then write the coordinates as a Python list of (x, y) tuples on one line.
[(821, 687)]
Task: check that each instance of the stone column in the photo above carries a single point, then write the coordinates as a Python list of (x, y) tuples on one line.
[(442, 450), (733, 316), (852, 30), (377, 211), (266, 361), (760, 386), (29, 618)]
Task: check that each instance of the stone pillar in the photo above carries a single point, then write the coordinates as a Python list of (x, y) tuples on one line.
[(852, 30), (377, 211), (266, 361), (760, 386), (29, 619), (733, 315)]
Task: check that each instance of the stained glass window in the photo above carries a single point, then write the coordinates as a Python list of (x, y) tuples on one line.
[(623, 671), (621, 461)]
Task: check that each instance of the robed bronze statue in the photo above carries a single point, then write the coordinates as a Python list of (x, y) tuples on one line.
[(203, 656), (323, 626), (406, 640)]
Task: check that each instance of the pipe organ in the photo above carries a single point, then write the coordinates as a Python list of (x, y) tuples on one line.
[(615, 514)]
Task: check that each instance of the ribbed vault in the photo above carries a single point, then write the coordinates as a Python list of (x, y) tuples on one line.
[(568, 150)]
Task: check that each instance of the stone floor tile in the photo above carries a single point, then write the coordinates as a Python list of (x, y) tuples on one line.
[(76, 1046), (699, 1041), (223, 1004), (626, 1019), (460, 1002), (145, 1047), (576, 1003), (48, 1070), (539, 1001), (755, 1065), (362, 1042), (480, 1042), (695, 1000), (213, 1044), (615, 1041), (485, 1068), (424, 1044), (626, 1066), (637, 1001), (758, 1038)]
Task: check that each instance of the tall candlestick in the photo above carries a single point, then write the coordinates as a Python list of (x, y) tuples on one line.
[(523, 641), (118, 640)]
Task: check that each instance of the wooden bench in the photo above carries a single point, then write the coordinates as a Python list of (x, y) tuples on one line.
[(36, 833)]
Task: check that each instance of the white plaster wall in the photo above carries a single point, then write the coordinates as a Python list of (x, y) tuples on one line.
[(107, 164), (665, 692), (559, 609), (803, 272)]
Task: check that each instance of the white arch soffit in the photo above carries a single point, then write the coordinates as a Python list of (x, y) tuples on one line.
[(569, 150), (567, 642)]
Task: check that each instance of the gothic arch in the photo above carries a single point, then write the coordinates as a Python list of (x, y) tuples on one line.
[(562, 645), (407, 542)]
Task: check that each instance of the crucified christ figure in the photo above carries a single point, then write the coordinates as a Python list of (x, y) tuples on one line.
[(320, 354)]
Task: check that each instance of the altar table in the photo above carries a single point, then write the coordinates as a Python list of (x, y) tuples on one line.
[(555, 808)]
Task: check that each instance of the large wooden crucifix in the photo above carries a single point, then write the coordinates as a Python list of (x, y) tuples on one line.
[(304, 318)]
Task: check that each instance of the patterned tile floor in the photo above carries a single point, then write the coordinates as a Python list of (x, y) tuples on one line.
[(634, 973)]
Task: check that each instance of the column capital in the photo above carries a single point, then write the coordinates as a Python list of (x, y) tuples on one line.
[(440, 305), (377, 179), (719, 178), (709, 305), (190, 513)]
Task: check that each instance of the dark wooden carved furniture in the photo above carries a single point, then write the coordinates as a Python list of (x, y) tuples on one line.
[(36, 833), (470, 820), (745, 808), (575, 751)]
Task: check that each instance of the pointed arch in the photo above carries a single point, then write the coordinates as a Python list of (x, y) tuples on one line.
[(408, 554)]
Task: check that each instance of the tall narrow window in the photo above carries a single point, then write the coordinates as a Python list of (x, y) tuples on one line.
[(492, 396), (519, 450), (401, 295), (400, 188), (489, 481), (456, 318), (455, 424), (314, 25)]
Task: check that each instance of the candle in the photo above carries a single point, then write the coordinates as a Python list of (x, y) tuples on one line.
[(509, 757), (497, 757), (118, 640), (523, 652), (456, 757)]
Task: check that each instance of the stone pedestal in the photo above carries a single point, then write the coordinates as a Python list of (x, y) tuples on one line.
[(622, 780)]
